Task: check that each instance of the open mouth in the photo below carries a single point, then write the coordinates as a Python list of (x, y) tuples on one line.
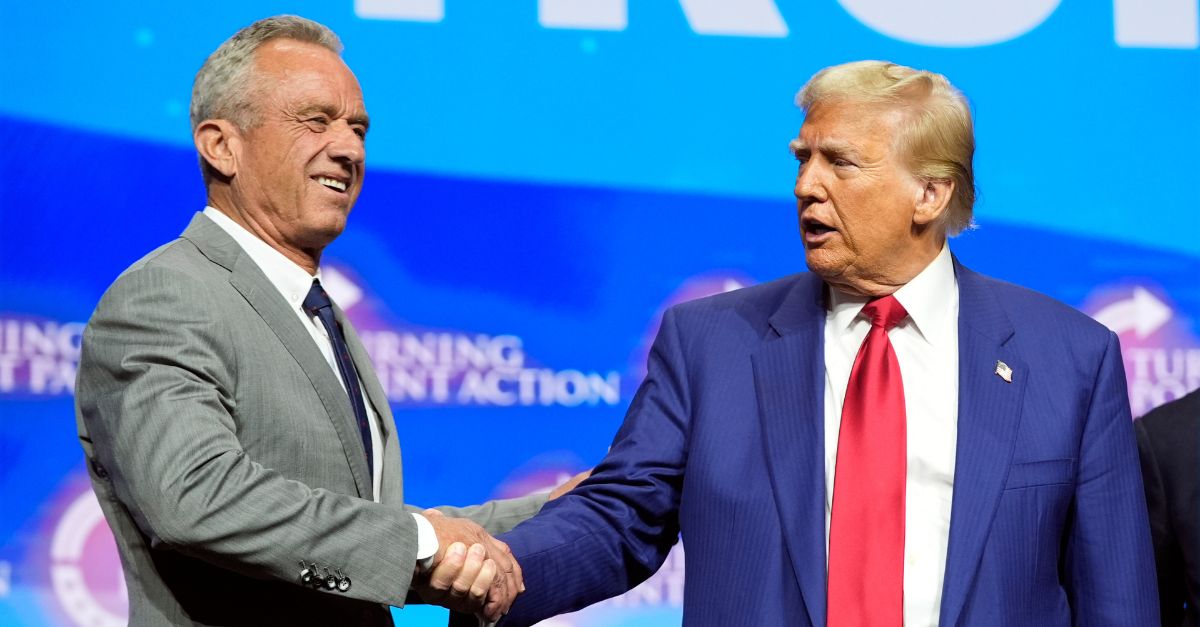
[(336, 185), (815, 229)]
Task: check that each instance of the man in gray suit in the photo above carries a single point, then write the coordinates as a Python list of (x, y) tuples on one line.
[(241, 447)]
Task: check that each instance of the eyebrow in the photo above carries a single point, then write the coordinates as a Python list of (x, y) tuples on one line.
[(831, 147), (363, 120)]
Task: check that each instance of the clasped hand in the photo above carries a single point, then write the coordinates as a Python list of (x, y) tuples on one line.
[(472, 572)]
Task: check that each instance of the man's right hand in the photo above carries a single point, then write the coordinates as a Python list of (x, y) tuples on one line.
[(507, 581), (461, 582)]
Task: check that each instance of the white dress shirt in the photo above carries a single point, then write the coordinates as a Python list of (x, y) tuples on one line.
[(293, 283), (926, 345)]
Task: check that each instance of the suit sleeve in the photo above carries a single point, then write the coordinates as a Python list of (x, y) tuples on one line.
[(1167, 552), (155, 394), (496, 517), (1109, 561), (615, 529)]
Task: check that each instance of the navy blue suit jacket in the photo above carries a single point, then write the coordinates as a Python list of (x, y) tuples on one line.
[(724, 444)]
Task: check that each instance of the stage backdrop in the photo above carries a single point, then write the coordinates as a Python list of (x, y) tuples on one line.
[(546, 176)]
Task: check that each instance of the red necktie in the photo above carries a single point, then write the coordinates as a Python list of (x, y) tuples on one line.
[(866, 528)]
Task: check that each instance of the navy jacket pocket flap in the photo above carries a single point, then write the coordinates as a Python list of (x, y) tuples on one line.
[(1048, 472)]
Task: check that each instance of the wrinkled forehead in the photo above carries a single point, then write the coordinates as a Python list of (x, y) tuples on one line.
[(289, 69), (289, 59), (846, 124)]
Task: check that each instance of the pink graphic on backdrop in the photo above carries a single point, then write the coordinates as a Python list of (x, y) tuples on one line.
[(1158, 342), (75, 556), (540, 474), (698, 286)]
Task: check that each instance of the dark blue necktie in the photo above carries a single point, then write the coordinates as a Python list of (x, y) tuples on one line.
[(317, 303)]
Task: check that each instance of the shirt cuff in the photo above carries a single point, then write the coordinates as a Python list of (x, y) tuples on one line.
[(427, 543)]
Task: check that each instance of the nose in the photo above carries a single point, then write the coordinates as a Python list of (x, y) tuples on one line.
[(346, 144), (808, 188)]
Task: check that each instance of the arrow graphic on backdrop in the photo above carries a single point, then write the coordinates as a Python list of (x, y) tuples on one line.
[(1142, 313)]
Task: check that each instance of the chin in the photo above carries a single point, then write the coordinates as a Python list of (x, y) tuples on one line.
[(332, 232), (332, 220), (321, 234), (820, 262)]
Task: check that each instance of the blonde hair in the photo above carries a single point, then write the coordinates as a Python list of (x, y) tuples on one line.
[(937, 138)]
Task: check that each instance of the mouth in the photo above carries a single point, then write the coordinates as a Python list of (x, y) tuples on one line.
[(337, 184), (815, 231)]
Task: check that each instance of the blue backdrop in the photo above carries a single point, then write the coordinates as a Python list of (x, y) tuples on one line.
[(544, 178)]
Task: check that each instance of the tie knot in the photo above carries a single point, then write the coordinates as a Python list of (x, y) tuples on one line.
[(885, 312), (317, 298)]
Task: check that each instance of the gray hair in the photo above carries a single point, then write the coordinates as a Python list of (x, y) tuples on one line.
[(224, 85), (938, 136)]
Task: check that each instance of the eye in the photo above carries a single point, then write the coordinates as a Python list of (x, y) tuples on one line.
[(842, 163), (317, 122), (361, 131)]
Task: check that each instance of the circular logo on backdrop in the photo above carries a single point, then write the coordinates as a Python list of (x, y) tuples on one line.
[(85, 568)]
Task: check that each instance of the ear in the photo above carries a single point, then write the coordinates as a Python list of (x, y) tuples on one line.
[(933, 201), (219, 143)]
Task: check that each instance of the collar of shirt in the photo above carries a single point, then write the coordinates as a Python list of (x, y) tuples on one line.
[(292, 281), (927, 298)]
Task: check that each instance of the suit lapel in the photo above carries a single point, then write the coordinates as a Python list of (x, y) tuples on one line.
[(989, 412), (246, 277), (789, 380), (789, 383), (391, 486)]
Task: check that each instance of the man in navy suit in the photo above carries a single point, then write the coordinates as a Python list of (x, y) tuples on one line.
[(890, 439)]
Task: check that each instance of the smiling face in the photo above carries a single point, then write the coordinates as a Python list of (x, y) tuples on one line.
[(864, 218), (297, 172)]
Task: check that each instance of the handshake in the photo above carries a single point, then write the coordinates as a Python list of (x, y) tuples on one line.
[(472, 572)]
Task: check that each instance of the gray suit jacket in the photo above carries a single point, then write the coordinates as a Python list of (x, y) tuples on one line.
[(224, 451)]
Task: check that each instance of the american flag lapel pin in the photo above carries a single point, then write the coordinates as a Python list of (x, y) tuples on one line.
[(1003, 371)]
